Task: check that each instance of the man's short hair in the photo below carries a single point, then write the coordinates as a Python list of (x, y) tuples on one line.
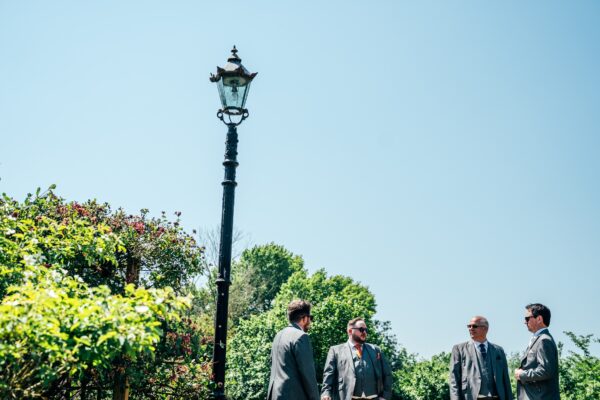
[(298, 309), (539, 309), (353, 321)]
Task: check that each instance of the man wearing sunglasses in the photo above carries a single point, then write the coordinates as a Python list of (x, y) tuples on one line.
[(293, 375), (478, 368), (537, 377), (356, 369)]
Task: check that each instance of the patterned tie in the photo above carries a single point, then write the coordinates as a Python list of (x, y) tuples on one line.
[(483, 351), (358, 350)]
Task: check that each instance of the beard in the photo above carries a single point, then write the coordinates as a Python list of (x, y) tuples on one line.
[(357, 339)]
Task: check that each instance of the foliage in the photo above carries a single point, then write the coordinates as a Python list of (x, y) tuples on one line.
[(513, 360), (186, 369), (580, 372), (35, 234), (257, 278), (335, 301), (60, 327), (91, 241), (423, 379), (69, 310), (88, 294)]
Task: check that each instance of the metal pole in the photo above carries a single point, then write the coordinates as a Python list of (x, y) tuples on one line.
[(223, 279)]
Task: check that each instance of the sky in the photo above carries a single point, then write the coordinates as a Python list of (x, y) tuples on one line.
[(444, 154)]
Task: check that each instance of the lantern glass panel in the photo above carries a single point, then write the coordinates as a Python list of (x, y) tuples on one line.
[(233, 91)]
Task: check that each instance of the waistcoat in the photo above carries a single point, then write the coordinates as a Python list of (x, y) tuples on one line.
[(488, 385), (366, 381)]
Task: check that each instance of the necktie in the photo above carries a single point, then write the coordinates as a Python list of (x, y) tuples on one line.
[(483, 351), (358, 350)]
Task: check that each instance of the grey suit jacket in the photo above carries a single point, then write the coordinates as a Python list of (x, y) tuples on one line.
[(293, 375), (539, 379), (339, 377), (465, 375)]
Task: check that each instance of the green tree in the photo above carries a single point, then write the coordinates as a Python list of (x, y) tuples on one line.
[(335, 300), (423, 379), (257, 278), (580, 372)]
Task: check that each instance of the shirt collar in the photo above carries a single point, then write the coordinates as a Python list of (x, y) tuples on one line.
[(476, 343), (539, 332), (295, 325)]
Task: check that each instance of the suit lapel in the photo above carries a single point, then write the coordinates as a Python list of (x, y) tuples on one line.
[(350, 355), (473, 354), (535, 339), (495, 357)]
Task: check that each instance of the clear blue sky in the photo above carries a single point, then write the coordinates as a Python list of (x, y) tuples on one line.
[(445, 154)]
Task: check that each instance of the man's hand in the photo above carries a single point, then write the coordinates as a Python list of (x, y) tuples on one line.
[(518, 374)]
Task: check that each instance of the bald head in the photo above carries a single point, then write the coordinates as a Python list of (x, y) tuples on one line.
[(478, 328), (481, 320)]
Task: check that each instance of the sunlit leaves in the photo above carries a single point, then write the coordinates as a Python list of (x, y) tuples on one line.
[(65, 309)]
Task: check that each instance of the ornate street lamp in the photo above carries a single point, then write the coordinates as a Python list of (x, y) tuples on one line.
[(233, 81)]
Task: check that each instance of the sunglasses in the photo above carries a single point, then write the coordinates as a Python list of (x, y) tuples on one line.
[(528, 318), (311, 317), (473, 326), (361, 329)]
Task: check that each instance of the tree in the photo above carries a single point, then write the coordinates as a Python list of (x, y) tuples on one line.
[(258, 277), (335, 300), (580, 372), (423, 379)]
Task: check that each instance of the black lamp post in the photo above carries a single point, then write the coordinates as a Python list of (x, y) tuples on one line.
[(233, 81)]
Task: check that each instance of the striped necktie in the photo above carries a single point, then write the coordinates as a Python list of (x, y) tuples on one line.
[(483, 350)]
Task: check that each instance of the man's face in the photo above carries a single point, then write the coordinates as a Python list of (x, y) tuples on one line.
[(477, 330), (534, 324), (358, 332)]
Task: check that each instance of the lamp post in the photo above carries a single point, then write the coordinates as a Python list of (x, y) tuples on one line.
[(233, 82)]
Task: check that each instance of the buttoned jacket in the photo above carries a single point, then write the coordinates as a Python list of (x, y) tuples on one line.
[(539, 379), (465, 372)]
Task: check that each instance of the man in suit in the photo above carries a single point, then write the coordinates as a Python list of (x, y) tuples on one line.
[(356, 369), (478, 368), (293, 375), (537, 377)]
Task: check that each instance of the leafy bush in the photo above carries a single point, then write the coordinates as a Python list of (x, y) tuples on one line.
[(423, 379), (60, 327), (580, 372), (73, 303)]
